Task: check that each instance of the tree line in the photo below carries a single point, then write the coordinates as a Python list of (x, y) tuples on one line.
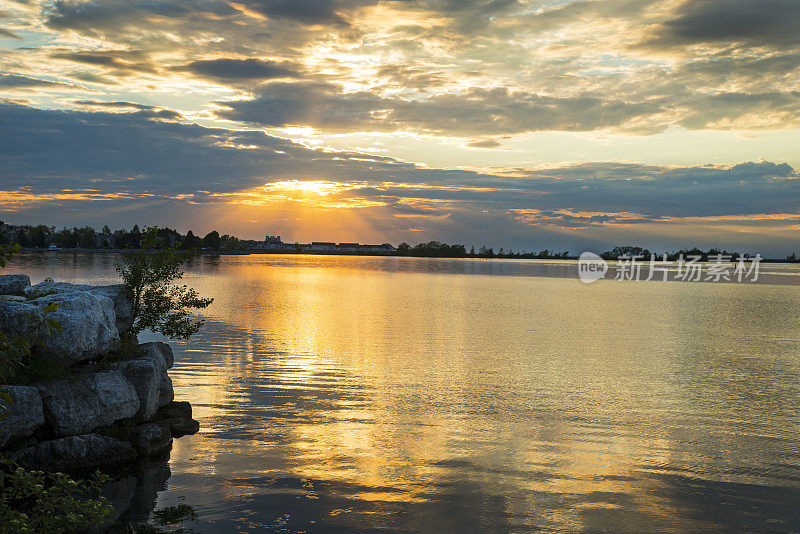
[(42, 236)]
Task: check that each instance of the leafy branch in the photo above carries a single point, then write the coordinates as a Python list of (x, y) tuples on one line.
[(159, 305)]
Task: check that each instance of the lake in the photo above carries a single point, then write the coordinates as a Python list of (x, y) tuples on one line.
[(369, 394)]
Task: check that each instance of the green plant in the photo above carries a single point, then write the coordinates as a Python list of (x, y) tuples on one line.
[(35, 501), (158, 304), (6, 251), (17, 350)]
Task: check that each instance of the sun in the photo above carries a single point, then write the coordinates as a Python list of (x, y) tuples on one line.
[(319, 187)]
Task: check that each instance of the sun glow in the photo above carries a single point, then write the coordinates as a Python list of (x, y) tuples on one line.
[(318, 187)]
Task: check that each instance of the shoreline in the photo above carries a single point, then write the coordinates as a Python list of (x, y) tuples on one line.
[(78, 250)]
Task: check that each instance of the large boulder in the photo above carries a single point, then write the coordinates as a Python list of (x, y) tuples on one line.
[(123, 306), (79, 404), (26, 414), (158, 350), (146, 375), (166, 393), (75, 453), (16, 317), (150, 438), (88, 327), (178, 415), (13, 284)]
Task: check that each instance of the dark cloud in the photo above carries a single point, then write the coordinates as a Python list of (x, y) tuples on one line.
[(131, 153), (17, 81), (238, 69), (485, 143), (121, 62), (772, 23), (472, 112), (152, 112)]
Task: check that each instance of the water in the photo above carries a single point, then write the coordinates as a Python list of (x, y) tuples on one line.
[(347, 394)]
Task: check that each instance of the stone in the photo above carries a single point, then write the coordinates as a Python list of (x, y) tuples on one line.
[(13, 284), (26, 414), (17, 298), (160, 350), (75, 453), (79, 404), (15, 317), (88, 327), (176, 409), (150, 438), (123, 306), (180, 426), (166, 393), (146, 375)]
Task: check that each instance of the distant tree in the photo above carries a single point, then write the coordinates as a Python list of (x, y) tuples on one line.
[(212, 240), (149, 272), (230, 244), (403, 249), (191, 241)]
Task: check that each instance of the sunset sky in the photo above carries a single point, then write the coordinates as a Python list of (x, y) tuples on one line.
[(567, 123)]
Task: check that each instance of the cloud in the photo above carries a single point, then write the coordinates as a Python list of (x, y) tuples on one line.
[(9, 34), (753, 23), (233, 70), (129, 152), (17, 81), (474, 111)]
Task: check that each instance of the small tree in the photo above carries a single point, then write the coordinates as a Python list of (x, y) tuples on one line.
[(159, 305)]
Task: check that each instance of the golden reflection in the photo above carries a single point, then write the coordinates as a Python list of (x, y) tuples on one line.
[(397, 381)]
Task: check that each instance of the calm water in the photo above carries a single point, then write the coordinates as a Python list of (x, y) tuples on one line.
[(346, 394)]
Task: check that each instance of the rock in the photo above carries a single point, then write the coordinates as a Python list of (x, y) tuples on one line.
[(176, 409), (123, 306), (26, 414), (15, 317), (149, 438), (180, 426), (88, 327), (75, 453), (146, 375), (77, 405), (13, 284), (13, 297), (158, 349), (165, 392)]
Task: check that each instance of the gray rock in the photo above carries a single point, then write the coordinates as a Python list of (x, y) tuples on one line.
[(158, 349), (75, 453), (88, 327), (123, 306), (13, 284), (15, 317), (150, 438), (166, 393), (18, 298), (146, 375), (77, 405), (180, 426), (26, 414), (176, 409)]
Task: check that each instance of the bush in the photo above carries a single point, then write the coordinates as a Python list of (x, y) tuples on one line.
[(158, 305)]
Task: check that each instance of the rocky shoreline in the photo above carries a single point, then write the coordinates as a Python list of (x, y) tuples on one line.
[(108, 405)]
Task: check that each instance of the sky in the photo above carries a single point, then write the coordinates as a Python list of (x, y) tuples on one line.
[(563, 124)]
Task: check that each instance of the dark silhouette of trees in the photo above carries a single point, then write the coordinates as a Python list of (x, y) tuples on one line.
[(212, 240)]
